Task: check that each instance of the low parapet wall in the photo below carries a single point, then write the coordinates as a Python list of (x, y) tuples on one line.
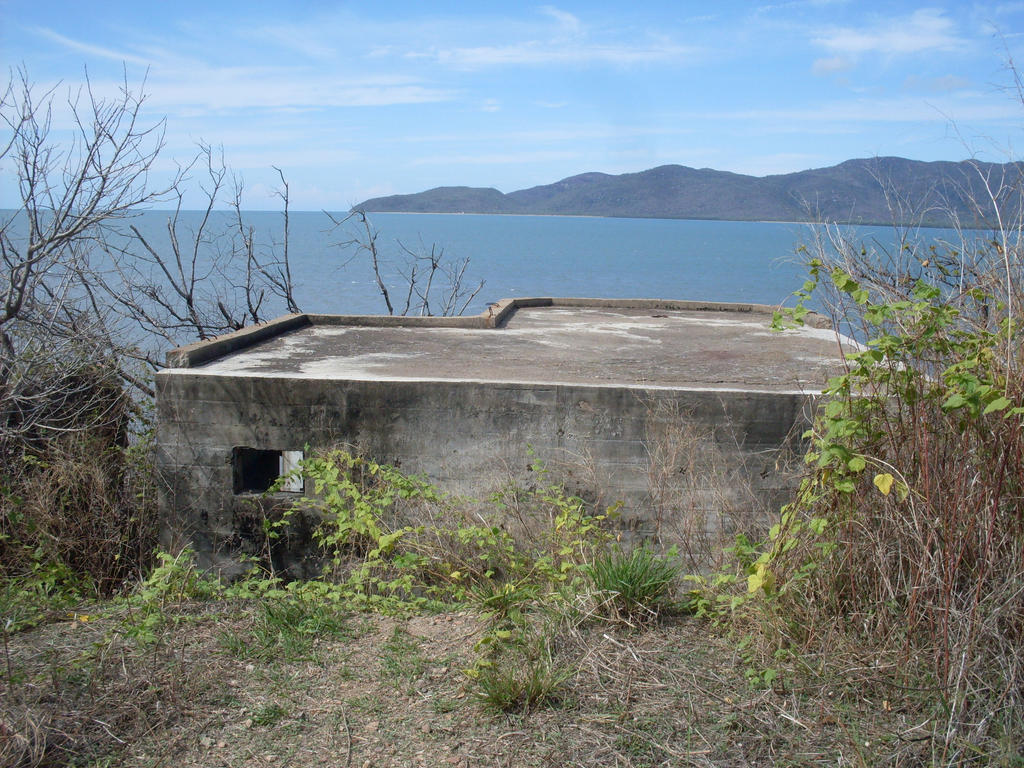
[(493, 317)]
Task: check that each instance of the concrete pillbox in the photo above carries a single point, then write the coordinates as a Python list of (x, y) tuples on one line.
[(600, 390)]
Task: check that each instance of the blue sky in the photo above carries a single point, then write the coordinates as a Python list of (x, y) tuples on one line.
[(353, 100)]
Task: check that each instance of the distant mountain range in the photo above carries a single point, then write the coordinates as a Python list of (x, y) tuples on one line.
[(874, 190)]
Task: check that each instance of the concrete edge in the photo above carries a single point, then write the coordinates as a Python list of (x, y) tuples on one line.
[(495, 316), (640, 387), (504, 309), (400, 321), (200, 352)]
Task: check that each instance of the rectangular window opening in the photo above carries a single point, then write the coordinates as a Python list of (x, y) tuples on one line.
[(254, 470)]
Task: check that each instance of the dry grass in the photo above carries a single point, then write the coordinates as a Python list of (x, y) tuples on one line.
[(83, 507), (700, 485), (391, 692), (924, 588)]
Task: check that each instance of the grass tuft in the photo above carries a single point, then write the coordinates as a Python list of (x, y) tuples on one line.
[(521, 678), (636, 586)]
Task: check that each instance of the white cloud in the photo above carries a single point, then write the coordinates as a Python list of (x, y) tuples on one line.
[(190, 86), (228, 90), (294, 38), (91, 50), (529, 43), (491, 105), (1008, 8), (291, 156), (535, 53), (567, 21), (366, 191), (925, 30), (191, 89)]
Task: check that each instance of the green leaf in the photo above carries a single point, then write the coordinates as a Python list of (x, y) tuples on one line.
[(856, 464), (845, 486), (834, 409), (954, 401), (875, 315), (923, 290), (844, 282), (999, 404)]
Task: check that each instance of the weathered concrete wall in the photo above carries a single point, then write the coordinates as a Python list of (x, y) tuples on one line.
[(605, 441)]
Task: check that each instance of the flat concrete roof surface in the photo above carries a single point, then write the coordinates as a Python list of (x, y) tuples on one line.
[(602, 346)]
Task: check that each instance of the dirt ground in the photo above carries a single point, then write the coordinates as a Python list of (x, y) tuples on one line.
[(219, 688)]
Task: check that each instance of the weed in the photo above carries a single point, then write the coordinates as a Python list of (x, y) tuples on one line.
[(700, 493), (515, 668), (504, 601), (367, 704), (174, 581), (49, 590), (520, 679), (553, 531), (641, 739), (393, 542), (633, 587)]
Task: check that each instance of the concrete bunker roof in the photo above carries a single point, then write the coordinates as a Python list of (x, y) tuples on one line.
[(601, 342)]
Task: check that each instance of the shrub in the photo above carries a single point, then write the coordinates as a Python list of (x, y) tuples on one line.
[(77, 498), (387, 536), (907, 536)]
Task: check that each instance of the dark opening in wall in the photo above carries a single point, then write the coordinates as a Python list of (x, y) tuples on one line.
[(254, 470)]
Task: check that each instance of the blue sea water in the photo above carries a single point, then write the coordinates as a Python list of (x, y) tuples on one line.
[(526, 256), (547, 256)]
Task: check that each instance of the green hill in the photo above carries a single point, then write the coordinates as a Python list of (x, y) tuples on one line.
[(874, 190)]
